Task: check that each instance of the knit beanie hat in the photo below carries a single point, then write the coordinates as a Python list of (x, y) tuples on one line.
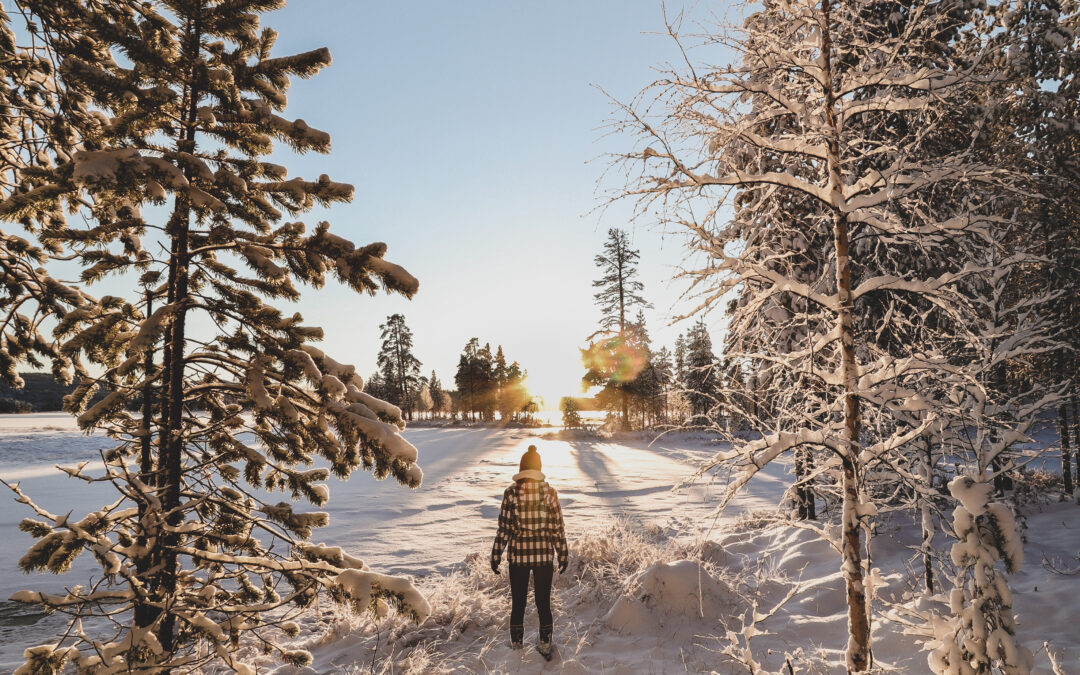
[(530, 461)]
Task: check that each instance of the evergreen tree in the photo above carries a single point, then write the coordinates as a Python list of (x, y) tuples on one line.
[(175, 104), (400, 368), (620, 290), (473, 377), (33, 135), (571, 412), (499, 369), (680, 358), (664, 368), (703, 377), (1041, 48), (513, 396), (611, 359), (489, 382), (645, 387), (436, 390), (613, 363), (979, 634)]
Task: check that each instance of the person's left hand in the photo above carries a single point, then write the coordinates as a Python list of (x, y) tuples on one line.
[(494, 567), (562, 567)]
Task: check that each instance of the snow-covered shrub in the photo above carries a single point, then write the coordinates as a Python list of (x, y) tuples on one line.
[(979, 635)]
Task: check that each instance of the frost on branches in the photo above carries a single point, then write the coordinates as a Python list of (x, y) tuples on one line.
[(863, 202), (979, 636), (217, 395)]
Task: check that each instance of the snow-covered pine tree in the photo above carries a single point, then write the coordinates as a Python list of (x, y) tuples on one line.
[(834, 114), (400, 367), (979, 636), (29, 139), (175, 104)]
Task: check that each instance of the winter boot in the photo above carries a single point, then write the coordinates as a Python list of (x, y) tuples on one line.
[(544, 647), (517, 636)]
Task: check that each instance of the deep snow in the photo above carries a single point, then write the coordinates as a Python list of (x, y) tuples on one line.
[(623, 606)]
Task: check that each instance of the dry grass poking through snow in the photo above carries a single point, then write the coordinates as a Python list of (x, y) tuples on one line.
[(468, 628)]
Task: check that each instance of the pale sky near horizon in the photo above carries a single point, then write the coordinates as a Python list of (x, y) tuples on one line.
[(474, 134)]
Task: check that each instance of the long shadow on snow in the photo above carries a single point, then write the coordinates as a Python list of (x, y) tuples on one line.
[(595, 464)]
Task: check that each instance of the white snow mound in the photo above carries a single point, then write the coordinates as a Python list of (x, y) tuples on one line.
[(670, 593)]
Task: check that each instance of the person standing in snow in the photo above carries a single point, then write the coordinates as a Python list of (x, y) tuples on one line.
[(531, 528)]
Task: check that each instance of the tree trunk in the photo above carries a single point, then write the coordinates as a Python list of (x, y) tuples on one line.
[(804, 494), (800, 490), (1076, 433), (173, 431), (172, 439), (926, 464), (999, 384), (145, 614), (625, 410), (1063, 434), (858, 650)]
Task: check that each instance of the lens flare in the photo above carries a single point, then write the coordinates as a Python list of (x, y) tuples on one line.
[(613, 358)]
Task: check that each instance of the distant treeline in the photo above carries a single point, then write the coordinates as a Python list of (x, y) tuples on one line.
[(40, 393)]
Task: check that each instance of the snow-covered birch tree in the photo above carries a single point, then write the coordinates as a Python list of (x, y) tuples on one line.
[(829, 132), (175, 104)]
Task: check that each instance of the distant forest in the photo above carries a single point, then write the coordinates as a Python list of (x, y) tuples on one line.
[(40, 393)]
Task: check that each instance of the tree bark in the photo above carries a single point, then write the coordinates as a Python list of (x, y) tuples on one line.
[(858, 650), (144, 613), (926, 464), (800, 490), (1076, 432), (1063, 434), (171, 464)]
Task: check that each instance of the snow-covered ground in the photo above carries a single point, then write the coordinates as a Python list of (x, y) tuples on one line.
[(625, 605)]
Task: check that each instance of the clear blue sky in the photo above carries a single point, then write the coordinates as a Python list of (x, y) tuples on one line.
[(474, 134)]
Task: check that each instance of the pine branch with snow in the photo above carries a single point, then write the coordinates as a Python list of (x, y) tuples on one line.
[(195, 555)]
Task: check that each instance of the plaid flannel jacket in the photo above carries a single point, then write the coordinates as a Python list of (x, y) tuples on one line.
[(530, 524)]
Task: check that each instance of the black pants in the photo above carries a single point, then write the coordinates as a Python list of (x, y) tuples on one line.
[(519, 591)]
